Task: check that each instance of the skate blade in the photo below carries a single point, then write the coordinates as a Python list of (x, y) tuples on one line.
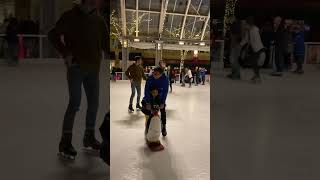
[(91, 151), (64, 156)]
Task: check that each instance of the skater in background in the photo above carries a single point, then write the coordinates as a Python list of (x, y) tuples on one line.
[(253, 39), (197, 76), (152, 133), (172, 77), (12, 41), (189, 76), (279, 43), (135, 74), (299, 47), (82, 52), (236, 38), (203, 72), (161, 82), (182, 77)]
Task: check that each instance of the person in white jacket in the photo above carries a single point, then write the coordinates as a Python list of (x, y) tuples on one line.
[(253, 39), (189, 74)]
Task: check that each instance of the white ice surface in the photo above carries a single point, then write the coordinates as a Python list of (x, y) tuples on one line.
[(187, 146), (33, 100)]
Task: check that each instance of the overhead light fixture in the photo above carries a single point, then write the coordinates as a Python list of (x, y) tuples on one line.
[(181, 43), (202, 44), (136, 40)]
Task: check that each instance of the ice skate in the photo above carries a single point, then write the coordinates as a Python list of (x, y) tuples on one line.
[(130, 109), (66, 150), (138, 107), (91, 144), (164, 130)]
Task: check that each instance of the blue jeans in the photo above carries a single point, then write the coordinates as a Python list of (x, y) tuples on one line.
[(135, 86), (90, 81)]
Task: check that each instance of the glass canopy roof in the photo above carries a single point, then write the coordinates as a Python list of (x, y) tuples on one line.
[(184, 19)]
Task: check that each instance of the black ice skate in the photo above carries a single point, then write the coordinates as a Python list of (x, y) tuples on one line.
[(66, 150), (164, 130), (91, 144), (138, 107), (130, 109)]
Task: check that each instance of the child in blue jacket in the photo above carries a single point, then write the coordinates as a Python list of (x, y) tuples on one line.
[(161, 82)]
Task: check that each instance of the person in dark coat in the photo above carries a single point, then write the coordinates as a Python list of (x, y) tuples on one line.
[(280, 45), (13, 41)]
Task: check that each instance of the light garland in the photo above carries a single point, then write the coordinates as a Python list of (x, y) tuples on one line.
[(229, 14)]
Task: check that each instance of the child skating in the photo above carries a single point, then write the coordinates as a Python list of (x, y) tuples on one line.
[(153, 121)]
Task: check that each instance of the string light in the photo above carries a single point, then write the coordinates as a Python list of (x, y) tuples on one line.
[(229, 15)]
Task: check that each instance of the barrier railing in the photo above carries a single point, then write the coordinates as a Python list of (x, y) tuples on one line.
[(33, 46), (312, 55), (30, 46)]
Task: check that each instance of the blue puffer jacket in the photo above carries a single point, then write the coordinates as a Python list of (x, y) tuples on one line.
[(162, 84), (299, 47)]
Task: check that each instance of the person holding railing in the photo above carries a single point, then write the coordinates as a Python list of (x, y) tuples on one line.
[(85, 37)]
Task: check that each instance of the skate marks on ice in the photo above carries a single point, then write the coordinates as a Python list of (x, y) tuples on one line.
[(83, 168), (132, 120), (158, 165)]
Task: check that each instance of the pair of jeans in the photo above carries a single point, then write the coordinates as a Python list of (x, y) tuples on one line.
[(90, 81), (135, 86), (279, 59), (255, 58), (234, 59)]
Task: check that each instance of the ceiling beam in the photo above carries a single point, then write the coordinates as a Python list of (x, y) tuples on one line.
[(168, 13), (123, 17), (137, 18), (205, 26), (149, 17), (164, 6), (195, 19), (174, 9), (185, 19)]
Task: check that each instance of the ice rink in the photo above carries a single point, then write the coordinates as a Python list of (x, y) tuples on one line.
[(33, 99), (268, 131), (187, 146)]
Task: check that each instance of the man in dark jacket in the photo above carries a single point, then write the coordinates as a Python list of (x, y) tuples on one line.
[(13, 41), (80, 36), (161, 82), (135, 74), (280, 46)]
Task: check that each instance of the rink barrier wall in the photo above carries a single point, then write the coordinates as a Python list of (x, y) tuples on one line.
[(34, 49)]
